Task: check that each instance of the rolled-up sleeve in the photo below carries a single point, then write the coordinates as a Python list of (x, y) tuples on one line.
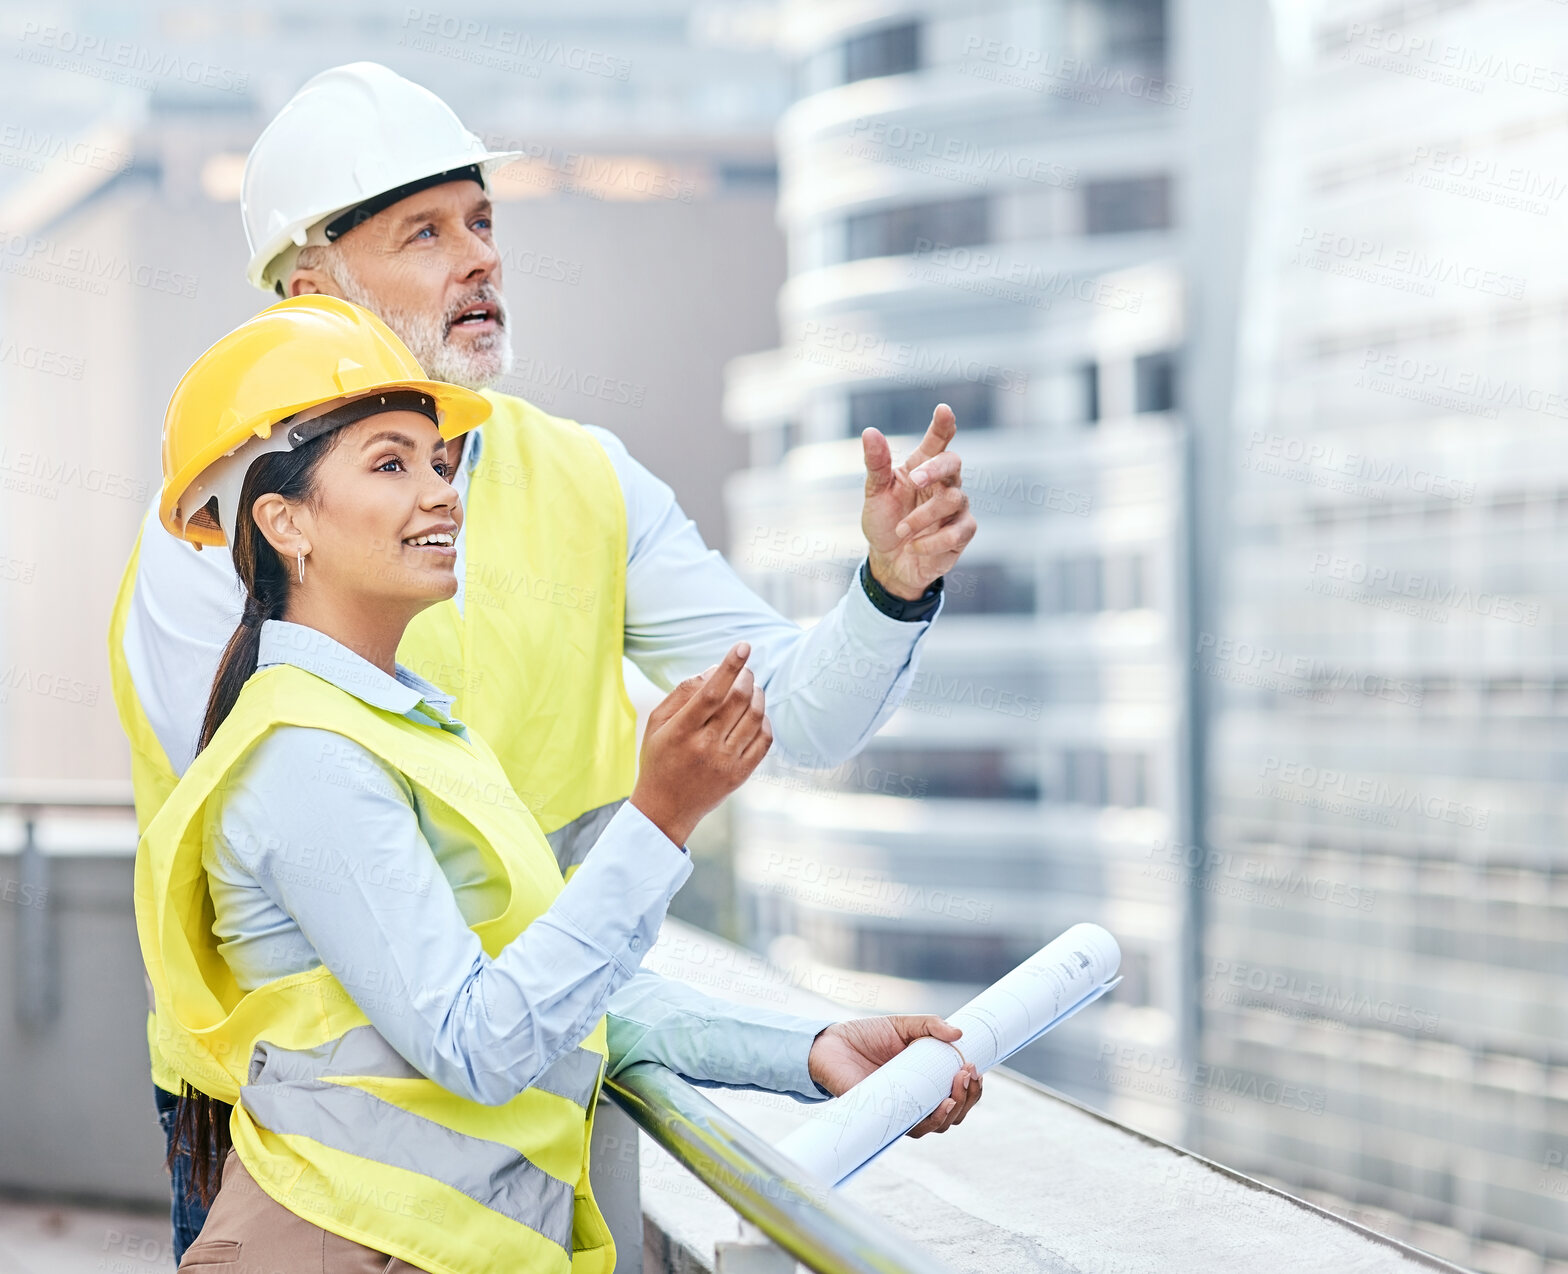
[(711, 1042)]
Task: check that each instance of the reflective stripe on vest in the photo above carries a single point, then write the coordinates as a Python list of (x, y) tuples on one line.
[(361, 1124), (572, 842), (365, 1051), (288, 1093)]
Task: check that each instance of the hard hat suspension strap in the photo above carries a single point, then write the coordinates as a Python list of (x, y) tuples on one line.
[(359, 409), (359, 213)]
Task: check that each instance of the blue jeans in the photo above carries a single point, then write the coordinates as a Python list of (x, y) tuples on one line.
[(187, 1211)]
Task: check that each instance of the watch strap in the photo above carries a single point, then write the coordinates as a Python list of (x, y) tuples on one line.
[(903, 609)]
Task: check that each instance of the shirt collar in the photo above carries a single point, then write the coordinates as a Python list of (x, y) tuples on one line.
[(474, 441), (407, 694)]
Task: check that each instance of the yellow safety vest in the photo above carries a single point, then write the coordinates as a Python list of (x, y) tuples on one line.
[(328, 1118), (534, 658)]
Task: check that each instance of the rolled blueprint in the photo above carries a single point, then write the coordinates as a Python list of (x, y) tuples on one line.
[(848, 1132)]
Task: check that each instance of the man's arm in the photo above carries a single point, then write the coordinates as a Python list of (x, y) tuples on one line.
[(716, 1043), (711, 1042), (185, 607), (832, 686)]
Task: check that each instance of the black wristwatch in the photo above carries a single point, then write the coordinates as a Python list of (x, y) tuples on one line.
[(922, 607)]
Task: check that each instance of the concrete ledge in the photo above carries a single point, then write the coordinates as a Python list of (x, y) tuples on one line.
[(1032, 1181)]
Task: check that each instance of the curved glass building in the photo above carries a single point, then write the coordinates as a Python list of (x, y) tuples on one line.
[(979, 210)]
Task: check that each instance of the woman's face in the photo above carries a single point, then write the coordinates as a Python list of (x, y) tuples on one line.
[(381, 490)]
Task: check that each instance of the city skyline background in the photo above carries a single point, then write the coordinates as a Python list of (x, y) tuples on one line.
[(1251, 316)]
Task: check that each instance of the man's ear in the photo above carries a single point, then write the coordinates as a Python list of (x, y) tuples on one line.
[(276, 520), (310, 282)]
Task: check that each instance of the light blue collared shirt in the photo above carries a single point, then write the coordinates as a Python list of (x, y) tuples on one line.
[(319, 854)]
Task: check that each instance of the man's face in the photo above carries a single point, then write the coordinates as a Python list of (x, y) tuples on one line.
[(428, 266)]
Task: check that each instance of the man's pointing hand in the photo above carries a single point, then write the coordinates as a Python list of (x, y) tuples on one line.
[(916, 516)]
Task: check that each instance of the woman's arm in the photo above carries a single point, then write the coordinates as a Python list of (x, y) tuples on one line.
[(330, 834)]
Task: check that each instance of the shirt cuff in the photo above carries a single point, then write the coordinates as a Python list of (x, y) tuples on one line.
[(868, 626), (811, 1090), (793, 1070), (618, 897)]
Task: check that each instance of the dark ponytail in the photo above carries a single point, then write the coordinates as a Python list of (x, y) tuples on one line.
[(201, 1123), (265, 575)]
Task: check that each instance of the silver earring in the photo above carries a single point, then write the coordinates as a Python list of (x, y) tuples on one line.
[(301, 553)]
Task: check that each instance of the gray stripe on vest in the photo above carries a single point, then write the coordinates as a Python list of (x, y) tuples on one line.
[(574, 1076), (360, 1051), (363, 1050), (572, 842), (359, 1123)]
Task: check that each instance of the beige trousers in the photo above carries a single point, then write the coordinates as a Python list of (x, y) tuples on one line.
[(249, 1232)]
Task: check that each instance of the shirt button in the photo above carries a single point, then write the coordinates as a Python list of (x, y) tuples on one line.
[(635, 944)]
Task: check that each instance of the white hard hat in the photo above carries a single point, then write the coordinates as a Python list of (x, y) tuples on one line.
[(349, 136)]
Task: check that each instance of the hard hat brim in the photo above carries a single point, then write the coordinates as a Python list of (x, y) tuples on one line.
[(259, 272), (460, 410)]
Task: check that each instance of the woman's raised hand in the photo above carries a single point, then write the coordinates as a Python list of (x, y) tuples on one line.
[(701, 744)]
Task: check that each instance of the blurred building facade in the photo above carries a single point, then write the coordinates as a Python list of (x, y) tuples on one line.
[(1387, 912), (1358, 455), (979, 209), (646, 193)]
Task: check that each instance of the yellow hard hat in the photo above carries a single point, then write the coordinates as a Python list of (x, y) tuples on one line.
[(297, 354)]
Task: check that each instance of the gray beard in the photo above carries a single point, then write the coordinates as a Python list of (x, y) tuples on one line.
[(485, 361)]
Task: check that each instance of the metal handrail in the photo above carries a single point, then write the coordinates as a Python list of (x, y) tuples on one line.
[(37, 943), (38, 948), (40, 794), (805, 1218), (762, 1185)]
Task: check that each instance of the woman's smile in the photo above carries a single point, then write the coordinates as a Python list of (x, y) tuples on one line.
[(439, 542)]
